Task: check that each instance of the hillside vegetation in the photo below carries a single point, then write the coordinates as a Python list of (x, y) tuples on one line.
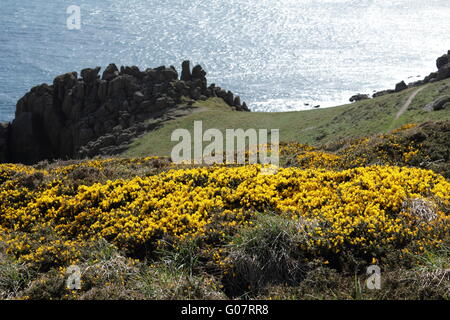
[(350, 192), (318, 126)]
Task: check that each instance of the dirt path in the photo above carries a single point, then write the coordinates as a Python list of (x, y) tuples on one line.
[(408, 103)]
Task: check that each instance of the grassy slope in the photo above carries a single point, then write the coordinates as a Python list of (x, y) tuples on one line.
[(312, 126)]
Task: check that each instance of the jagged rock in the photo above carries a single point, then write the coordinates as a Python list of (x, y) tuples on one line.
[(400, 86), (186, 71), (359, 97), (81, 117), (431, 77), (110, 72), (237, 101), (122, 87), (444, 72), (133, 71), (90, 75), (168, 75), (443, 60), (62, 84), (229, 98), (198, 73), (443, 65)]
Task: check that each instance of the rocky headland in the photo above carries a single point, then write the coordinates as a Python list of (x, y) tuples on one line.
[(443, 72), (82, 116), (79, 117)]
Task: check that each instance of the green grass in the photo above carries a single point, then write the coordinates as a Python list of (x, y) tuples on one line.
[(314, 127)]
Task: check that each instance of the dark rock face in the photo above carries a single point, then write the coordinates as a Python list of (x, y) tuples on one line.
[(443, 60), (87, 116), (4, 134), (186, 71), (110, 72), (400, 86), (359, 97)]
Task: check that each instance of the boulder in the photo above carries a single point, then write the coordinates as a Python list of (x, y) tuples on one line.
[(359, 97), (401, 86), (438, 104)]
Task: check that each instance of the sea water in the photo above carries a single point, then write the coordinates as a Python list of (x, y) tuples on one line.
[(278, 55)]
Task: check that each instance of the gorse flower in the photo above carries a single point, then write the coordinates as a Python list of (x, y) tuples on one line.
[(358, 209)]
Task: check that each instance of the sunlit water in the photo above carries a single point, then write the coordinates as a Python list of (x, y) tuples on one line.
[(278, 55)]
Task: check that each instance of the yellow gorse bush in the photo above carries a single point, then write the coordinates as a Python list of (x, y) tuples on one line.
[(358, 209), (383, 149)]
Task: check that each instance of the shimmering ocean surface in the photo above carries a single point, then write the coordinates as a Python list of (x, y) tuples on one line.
[(278, 55)]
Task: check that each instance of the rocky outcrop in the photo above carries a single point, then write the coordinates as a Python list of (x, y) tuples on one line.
[(88, 115), (400, 86), (382, 93), (359, 97), (439, 104), (443, 72), (442, 61)]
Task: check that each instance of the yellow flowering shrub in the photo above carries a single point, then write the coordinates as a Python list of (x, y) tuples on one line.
[(360, 209), (398, 148)]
